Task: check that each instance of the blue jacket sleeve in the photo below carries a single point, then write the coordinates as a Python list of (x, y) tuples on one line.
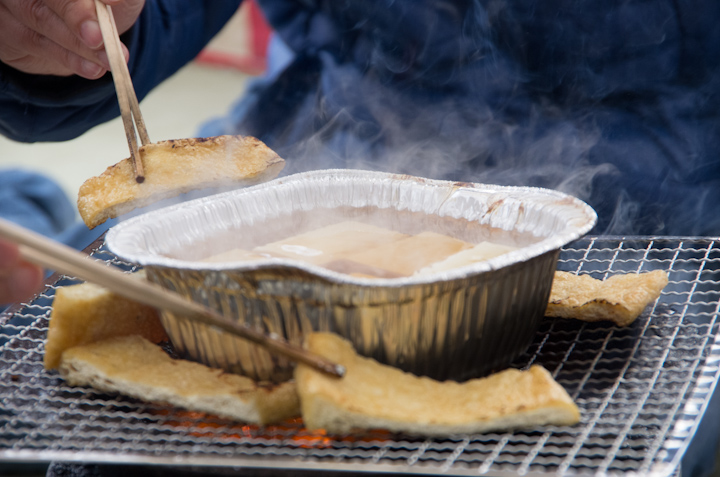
[(168, 34)]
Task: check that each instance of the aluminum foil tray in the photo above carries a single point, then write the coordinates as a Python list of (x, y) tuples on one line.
[(457, 324), (642, 391)]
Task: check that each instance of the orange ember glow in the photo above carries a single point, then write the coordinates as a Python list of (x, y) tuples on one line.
[(291, 431)]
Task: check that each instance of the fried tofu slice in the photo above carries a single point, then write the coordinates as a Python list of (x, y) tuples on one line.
[(375, 396), (86, 312), (406, 256), (619, 298), (478, 253), (174, 167), (135, 367), (332, 242)]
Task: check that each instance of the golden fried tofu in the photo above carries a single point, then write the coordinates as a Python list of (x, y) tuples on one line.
[(85, 313), (408, 255), (375, 396), (619, 298), (332, 242), (135, 367), (174, 167)]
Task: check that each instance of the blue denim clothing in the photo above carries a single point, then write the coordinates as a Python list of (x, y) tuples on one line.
[(615, 102), (38, 203), (169, 34)]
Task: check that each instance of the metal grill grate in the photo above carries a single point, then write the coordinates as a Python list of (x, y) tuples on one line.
[(641, 390)]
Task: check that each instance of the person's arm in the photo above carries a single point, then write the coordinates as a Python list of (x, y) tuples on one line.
[(167, 35), (18, 279)]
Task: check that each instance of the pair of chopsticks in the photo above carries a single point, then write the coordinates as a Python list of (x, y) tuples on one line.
[(53, 255), (129, 107)]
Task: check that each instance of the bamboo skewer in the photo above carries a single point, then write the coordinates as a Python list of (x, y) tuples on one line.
[(56, 256), (134, 104), (127, 99)]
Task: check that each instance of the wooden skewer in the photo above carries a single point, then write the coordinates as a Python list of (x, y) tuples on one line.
[(134, 104), (56, 256), (127, 99)]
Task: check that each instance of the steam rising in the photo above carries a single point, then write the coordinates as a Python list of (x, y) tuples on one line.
[(589, 98)]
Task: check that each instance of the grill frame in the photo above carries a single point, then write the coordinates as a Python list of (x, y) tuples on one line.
[(642, 391)]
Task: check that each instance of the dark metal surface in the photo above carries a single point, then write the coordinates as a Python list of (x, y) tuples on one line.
[(641, 390), (478, 318)]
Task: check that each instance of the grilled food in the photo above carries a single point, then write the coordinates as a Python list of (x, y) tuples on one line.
[(86, 313), (478, 253), (331, 242), (92, 343), (375, 396), (174, 167), (407, 255), (620, 298), (99, 339), (135, 367)]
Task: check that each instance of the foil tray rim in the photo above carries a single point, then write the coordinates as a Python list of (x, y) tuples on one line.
[(584, 218)]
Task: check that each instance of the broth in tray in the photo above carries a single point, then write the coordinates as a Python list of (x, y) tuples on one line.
[(365, 250)]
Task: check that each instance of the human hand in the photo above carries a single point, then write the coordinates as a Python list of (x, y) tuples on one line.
[(59, 37), (18, 279)]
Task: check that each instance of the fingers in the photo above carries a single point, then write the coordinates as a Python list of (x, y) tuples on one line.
[(59, 37), (9, 255), (33, 52), (24, 281), (19, 280), (34, 39), (78, 18)]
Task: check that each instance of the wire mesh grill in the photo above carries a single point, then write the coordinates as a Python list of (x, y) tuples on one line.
[(641, 390)]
